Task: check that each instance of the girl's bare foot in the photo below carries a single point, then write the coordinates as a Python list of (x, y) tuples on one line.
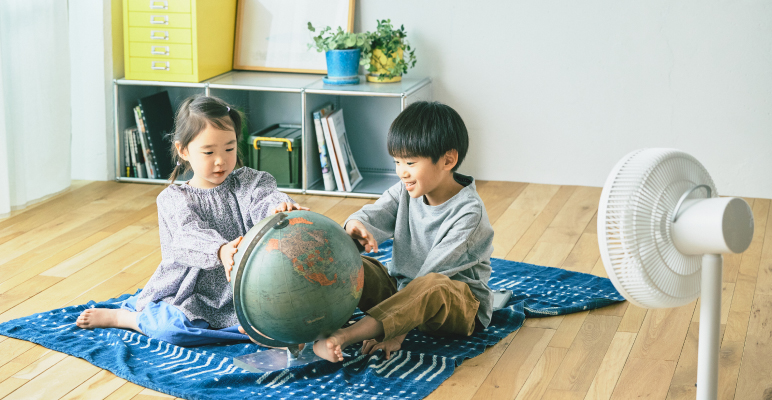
[(107, 318), (331, 349)]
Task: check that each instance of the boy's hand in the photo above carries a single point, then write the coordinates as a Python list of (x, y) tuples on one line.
[(369, 346), (288, 206), (358, 232), (226, 255)]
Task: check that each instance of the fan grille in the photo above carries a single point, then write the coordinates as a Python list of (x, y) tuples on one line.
[(634, 220)]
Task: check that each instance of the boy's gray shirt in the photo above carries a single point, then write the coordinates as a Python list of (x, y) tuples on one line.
[(454, 238)]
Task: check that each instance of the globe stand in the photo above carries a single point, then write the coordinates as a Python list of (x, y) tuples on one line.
[(275, 359)]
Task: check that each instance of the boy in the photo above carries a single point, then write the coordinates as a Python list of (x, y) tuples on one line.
[(438, 278)]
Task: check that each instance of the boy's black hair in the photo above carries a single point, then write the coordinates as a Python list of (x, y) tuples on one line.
[(428, 129)]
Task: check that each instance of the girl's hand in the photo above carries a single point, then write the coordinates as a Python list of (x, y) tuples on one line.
[(358, 232), (226, 253), (288, 206)]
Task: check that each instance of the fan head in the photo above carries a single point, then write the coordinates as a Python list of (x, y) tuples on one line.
[(634, 227)]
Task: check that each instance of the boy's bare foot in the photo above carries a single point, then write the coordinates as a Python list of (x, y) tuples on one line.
[(331, 348), (107, 318)]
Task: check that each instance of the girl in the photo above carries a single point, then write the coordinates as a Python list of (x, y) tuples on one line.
[(188, 300)]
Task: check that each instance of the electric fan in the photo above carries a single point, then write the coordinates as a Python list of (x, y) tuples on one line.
[(661, 230)]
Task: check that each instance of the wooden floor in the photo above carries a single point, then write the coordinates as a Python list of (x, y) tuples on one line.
[(100, 239)]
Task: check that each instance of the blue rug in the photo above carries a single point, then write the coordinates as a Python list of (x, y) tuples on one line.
[(424, 362)]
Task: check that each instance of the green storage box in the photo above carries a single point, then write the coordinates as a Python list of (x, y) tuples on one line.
[(277, 150)]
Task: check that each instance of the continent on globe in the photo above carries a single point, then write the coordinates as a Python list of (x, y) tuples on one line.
[(302, 246)]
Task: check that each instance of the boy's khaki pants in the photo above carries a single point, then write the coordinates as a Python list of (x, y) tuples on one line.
[(433, 303)]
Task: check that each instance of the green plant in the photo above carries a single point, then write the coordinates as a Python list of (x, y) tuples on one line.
[(389, 41), (327, 40)]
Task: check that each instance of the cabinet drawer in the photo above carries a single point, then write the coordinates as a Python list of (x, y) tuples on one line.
[(159, 20), (178, 6), (161, 66), (160, 35), (161, 50)]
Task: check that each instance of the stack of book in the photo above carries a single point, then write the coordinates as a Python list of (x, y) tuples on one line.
[(147, 146), (339, 170)]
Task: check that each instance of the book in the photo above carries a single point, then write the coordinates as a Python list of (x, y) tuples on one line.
[(346, 163), (141, 171), (126, 152), (150, 164), (324, 157), (132, 153), (332, 151), (157, 117)]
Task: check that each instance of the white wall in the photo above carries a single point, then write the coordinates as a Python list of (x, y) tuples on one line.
[(36, 100), (558, 91), (91, 72)]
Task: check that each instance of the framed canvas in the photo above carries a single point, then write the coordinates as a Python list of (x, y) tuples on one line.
[(273, 35)]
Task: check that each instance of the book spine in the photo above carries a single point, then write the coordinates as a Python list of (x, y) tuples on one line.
[(132, 154), (324, 158), (141, 172), (126, 156), (332, 152), (153, 152), (340, 151)]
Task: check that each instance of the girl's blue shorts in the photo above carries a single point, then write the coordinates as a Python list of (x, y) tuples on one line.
[(163, 321)]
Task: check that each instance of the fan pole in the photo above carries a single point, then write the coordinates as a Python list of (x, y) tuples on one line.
[(710, 318)]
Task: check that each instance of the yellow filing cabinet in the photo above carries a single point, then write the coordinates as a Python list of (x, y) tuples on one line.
[(178, 40)]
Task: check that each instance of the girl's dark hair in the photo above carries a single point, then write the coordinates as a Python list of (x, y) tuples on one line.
[(428, 129), (194, 114)]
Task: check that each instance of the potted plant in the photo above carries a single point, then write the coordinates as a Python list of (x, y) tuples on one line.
[(343, 51), (391, 54)]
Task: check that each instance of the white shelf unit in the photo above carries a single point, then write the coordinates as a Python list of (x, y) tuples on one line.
[(269, 98)]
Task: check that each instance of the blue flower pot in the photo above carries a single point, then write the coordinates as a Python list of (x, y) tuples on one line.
[(342, 67)]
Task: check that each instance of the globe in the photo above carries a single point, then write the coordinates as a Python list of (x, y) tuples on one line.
[(297, 277)]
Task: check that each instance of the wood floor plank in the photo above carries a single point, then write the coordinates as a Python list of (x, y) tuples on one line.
[(52, 208), (536, 384), (56, 381), (79, 282), (125, 281), (644, 378), (685, 375), (764, 275), (345, 208), (605, 379), (64, 223), (523, 246), (497, 196), (510, 373), (96, 252), (468, 377), (519, 216), (585, 253), (755, 380), (125, 392), (22, 361), (584, 357), (12, 348), (569, 327), (97, 387), (662, 333), (52, 250), (564, 231)]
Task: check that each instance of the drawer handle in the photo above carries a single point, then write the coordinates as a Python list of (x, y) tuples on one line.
[(163, 52), (153, 35), (164, 19), (164, 65), (159, 5)]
